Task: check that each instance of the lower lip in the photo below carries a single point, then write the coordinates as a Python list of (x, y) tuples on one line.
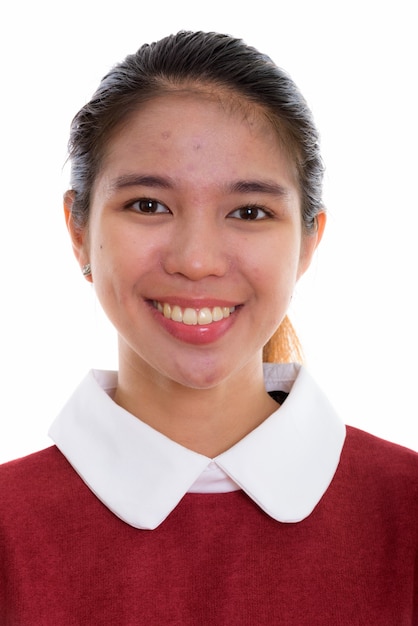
[(196, 334)]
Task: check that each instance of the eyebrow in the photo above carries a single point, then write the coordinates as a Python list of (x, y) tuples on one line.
[(138, 180), (240, 186), (258, 186)]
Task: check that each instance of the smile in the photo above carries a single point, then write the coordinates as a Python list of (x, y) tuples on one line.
[(193, 317)]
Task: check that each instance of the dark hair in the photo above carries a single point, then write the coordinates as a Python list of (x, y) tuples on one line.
[(195, 58)]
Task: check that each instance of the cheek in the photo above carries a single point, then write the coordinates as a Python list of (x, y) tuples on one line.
[(277, 260), (118, 248), (125, 262)]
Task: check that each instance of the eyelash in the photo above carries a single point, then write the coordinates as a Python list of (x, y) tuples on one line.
[(150, 202), (247, 210)]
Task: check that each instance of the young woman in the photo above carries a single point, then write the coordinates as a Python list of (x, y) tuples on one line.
[(198, 485)]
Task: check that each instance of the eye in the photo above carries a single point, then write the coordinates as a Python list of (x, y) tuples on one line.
[(250, 213), (148, 206)]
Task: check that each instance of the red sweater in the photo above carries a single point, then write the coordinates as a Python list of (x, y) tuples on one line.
[(217, 559)]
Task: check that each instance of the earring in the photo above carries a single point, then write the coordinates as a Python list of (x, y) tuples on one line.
[(86, 269)]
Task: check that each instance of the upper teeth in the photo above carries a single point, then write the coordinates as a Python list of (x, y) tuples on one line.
[(191, 317)]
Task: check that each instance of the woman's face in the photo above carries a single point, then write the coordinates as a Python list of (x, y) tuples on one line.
[(195, 238)]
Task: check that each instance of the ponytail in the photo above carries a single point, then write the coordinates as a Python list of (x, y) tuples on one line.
[(284, 346)]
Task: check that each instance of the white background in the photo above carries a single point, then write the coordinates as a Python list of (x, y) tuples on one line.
[(356, 310)]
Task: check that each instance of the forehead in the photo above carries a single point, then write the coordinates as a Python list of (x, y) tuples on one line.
[(172, 103), (191, 118)]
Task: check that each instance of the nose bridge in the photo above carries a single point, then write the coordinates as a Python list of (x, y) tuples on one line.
[(196, 248)]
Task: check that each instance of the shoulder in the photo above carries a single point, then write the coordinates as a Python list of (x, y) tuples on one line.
[(381, 464), (379, 450), (29, 481), (376, 486), (36, 465)]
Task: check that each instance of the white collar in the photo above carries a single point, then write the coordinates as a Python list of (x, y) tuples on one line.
[(285, 465)]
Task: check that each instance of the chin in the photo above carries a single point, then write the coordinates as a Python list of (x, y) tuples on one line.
[(201, 376)]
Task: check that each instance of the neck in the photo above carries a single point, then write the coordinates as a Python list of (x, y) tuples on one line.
[(208, 421)]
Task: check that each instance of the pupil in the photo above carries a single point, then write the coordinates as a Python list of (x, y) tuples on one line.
[(147, 206), (249, 213)]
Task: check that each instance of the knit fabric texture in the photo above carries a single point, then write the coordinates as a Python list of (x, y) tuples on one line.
[(65, 559)]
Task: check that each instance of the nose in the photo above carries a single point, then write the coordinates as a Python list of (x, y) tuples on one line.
[(196, 250)]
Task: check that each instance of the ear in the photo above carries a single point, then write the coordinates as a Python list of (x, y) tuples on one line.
[(78, 235), (310, 242)]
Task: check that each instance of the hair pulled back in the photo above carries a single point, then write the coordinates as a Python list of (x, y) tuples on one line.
[(207, 59)]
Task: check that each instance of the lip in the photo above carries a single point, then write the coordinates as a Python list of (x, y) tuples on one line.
[(197, 334)]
